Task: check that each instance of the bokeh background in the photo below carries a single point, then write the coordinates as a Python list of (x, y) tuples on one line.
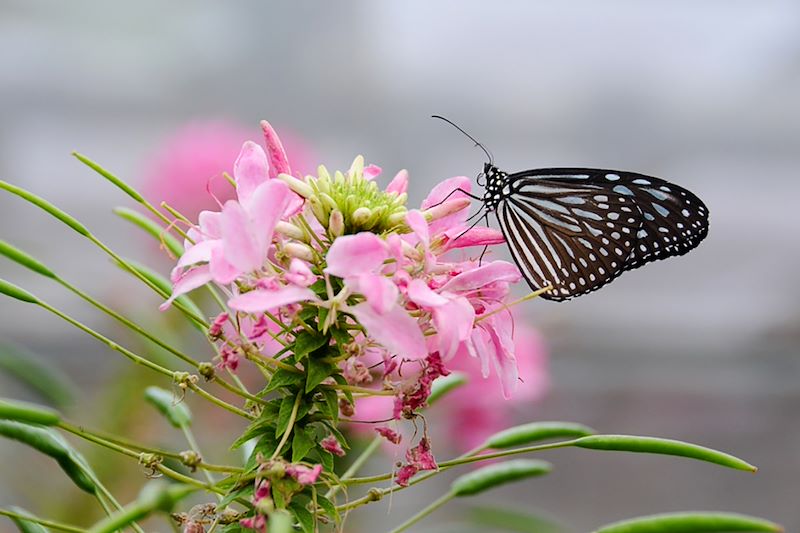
[(702, 348)]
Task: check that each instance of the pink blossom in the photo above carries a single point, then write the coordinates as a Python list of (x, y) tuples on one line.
[(229, 358), (299, 273), (419, 458), (215, 329), (415, 394), (332, 445), (399, 183), (266, 299), (303, 474), (395, 330), (389, 434)]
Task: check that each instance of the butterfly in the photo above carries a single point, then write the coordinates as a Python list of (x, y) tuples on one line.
[(578, 229)]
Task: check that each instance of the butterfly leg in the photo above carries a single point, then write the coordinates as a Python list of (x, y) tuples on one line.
[(452, 193)]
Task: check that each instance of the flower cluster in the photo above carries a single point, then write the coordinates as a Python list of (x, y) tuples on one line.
[(333, 277)]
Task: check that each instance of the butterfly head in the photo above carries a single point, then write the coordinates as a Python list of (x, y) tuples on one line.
[(496, 186)]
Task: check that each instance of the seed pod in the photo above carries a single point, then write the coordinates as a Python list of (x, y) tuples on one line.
[(628, 443), (147, 224), (22, 258), (28, 413), (9, 289), (127, 189), (46, 206), (178, 414), (444, 385), (25, 526), (498, 474), (534, 432), (52, 444), (692, 523)]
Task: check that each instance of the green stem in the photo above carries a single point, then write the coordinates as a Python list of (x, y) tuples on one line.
[(187, 432), (425, 512), (47, 523), (221, 403), (353, 388), (357, 464), (289, 426)]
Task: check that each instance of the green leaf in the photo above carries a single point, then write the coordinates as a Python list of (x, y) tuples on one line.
[(330, 509), (285, 413), (303, 516), (156, 496), (303, 441), (316, 372), (266, 446), (504, 519), (280, 522), (152, 228), (244, 493), (9, 289), (338, 378), (498, 474), (535, 432), (264, 425), (443, 385), (341, 336), (28, 413), (39, 375), (26, 526), (46, 206), (332, 403), (694, 522), (324, 457), (177, 413), (627, 443), (283, 378), (22, 258), (306, 342)]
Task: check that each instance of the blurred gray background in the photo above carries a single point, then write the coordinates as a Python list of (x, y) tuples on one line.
[(703, 348)]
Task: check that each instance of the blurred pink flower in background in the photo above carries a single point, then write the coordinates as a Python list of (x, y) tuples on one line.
[(186, 169)]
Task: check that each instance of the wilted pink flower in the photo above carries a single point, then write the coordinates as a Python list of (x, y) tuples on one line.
[(418, 458), (303, 474), (332, 445), (215, 329), (389, 434)]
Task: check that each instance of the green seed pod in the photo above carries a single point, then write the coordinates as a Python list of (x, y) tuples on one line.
[(155, 496), (443, 385), (155, 230), (534, 432), (178, 414), (22, 258), (127, 189), (46, 206), (26, 526), (627, 443), (692, 523), (9, 289), (494, 475), (53, 445), (28, 413)]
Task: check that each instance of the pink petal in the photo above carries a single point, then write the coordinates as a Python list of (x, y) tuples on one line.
[(266, 207), (200, 252), (278, 162), (192, 279), (300, 274), (263, 300), (416, 221), (421, 294), (477, 236), (210, 224), (250, 170), (241, 245), (221, 270), (503, 354), (353, 255), (454, 323), (501, 271), (445, 188), (380, 292), (399, 183), (371, 172), (395, 330)]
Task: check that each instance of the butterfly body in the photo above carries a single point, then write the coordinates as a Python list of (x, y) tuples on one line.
[(577, 229)]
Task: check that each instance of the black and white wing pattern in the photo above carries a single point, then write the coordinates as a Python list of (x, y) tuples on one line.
[(577, 229)]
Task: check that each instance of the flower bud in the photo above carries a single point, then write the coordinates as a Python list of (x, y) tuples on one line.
[(298, 186), (357, 168), (361, 216), (336, 224), (446, 208), (328, 202), (300, 251), (287, 229)]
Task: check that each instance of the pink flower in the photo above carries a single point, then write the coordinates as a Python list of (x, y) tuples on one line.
[(303, 474), (418, 458), (332, 445), (389, 434)]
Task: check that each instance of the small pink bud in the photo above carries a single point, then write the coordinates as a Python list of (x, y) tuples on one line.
[(332, 445), (389, 434)]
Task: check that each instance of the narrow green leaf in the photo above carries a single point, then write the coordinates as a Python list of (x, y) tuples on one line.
[(28, 413), (9, 289), (332, 401), (24, 259), (127, 189), (283, 378), (46, 206), (494, 475), (284, 414), (306, 342), (535, 432), (317, 372), (177, 413), (39, 375), (26, 526), (628, 443), (338, 378), (302, 442), (152, 228), (303, 516), (53, 445), (443, 385), (694, 522)]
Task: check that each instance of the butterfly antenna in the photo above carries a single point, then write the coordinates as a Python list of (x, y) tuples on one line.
[(470, 137)]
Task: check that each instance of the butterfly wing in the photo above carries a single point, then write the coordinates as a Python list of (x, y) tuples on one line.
[(578, 229)]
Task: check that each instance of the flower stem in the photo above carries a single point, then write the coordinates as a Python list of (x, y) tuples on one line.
[(187, 432), (357, 464), (47, 523), (425, 512)]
